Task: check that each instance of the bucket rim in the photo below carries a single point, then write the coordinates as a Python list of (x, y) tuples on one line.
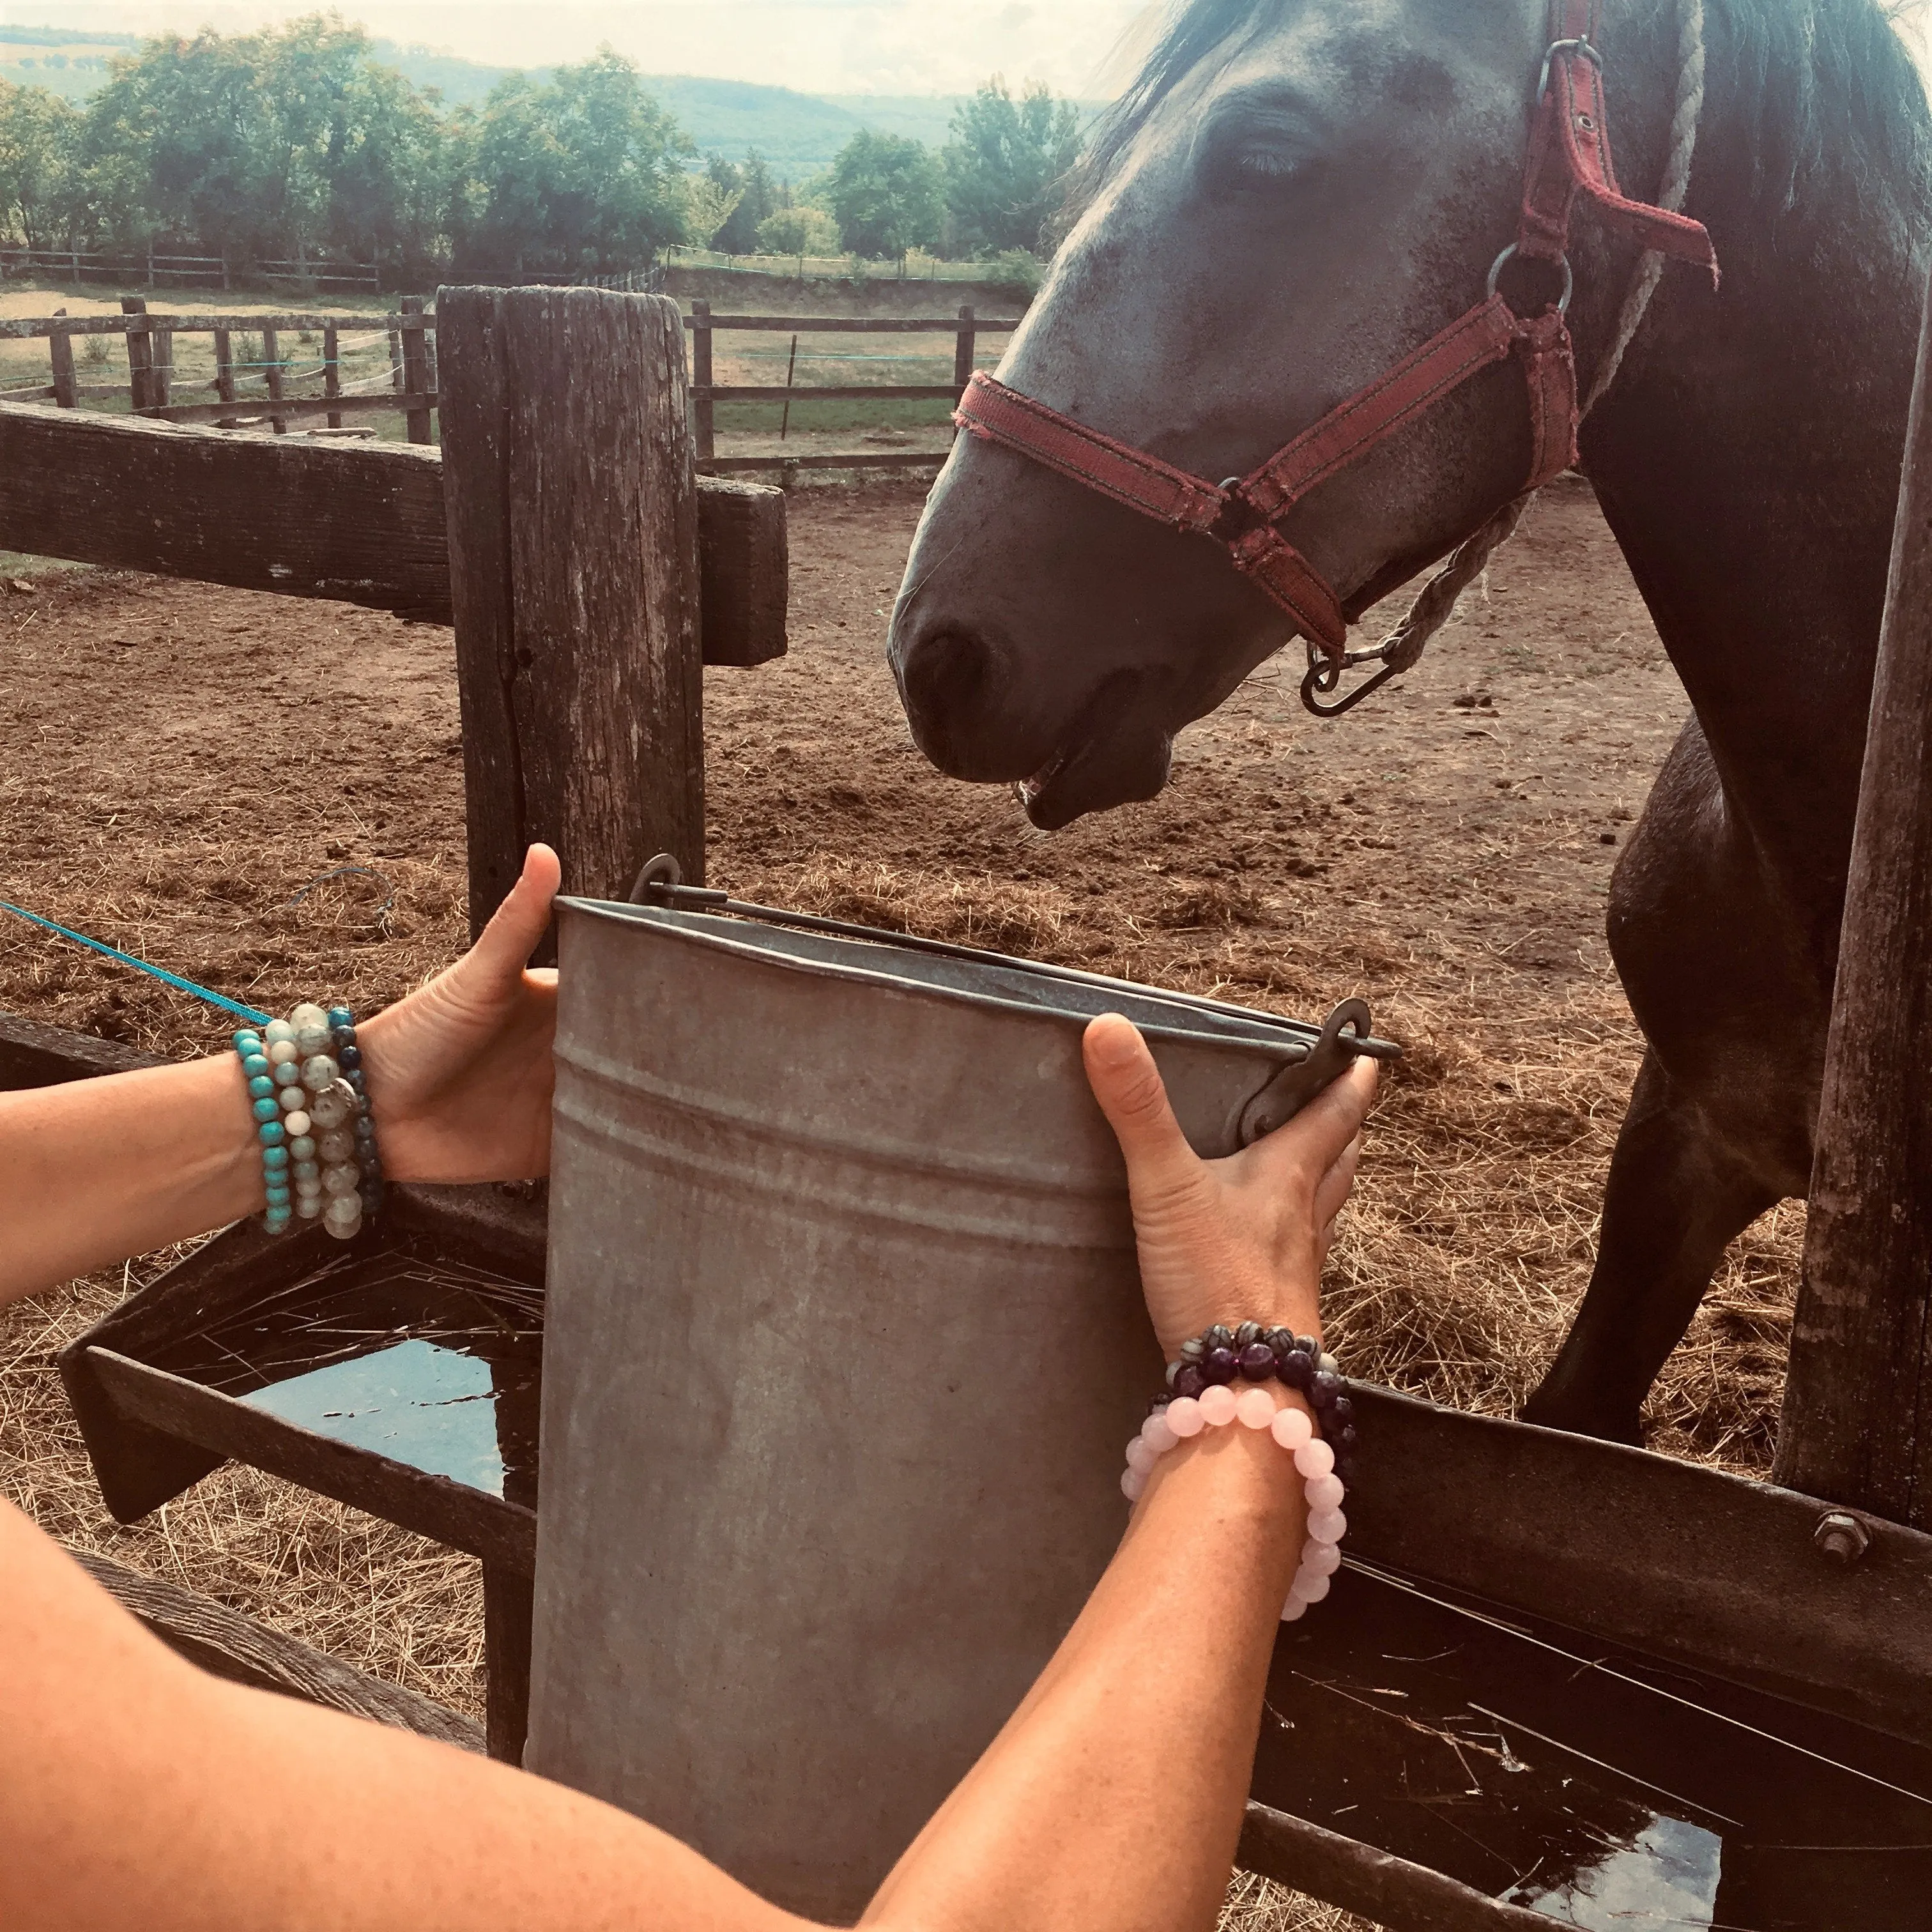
[(1300, 1039)]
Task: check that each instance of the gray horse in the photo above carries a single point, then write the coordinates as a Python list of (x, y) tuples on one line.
[(1296, 194)]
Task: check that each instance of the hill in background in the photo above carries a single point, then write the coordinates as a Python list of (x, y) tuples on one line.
[(799, 134)]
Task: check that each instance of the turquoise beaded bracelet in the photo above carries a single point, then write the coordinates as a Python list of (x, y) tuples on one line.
[(313, 1120)]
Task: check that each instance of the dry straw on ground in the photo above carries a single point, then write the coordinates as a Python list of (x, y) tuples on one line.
[(1471, 1235), (1416, 858)]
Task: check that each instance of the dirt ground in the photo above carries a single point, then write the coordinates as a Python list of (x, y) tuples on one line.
[(266, 795)]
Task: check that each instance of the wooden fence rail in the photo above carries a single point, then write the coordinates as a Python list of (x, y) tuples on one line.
[(27, 327), (364, 524), (411, 329), (212, 270), (965, 328)]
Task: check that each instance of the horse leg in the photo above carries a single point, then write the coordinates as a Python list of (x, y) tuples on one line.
[(1677, 1197)]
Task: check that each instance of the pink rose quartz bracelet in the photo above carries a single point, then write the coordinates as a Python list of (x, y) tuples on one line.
[(1215, 1408)]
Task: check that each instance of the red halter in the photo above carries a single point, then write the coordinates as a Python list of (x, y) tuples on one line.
[(1569, 155)]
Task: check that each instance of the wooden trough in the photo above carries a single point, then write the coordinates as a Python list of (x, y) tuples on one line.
[(1599, 1667)]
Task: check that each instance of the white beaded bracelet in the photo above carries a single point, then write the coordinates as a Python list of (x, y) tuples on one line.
[(1215, 1408)]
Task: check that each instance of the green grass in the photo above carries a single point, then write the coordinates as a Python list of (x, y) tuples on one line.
[(808, 413)]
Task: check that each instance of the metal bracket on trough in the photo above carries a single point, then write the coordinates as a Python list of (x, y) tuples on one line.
[(1344, 1035)]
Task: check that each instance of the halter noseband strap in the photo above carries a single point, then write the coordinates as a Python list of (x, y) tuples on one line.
[(1569, 156)]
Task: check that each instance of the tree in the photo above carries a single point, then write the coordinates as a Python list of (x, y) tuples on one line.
[(887, 195), (710, 200), (758, 200), (1005, 159), (799, 230), (583, 174), (262, 144), (36, 139)]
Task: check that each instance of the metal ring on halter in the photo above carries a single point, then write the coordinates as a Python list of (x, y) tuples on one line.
[(1580, 46), (1510, 254)]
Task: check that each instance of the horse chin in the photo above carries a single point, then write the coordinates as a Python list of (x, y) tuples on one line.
[(1093, 773)]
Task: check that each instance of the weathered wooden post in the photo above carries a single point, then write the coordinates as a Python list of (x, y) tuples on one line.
[(140, 356), (575, 580), (331, 370), (224, 373), (416, 370), (161, 375), (60, 353), (271, 361), (1857, 1425), (705, 410), (962, 353)]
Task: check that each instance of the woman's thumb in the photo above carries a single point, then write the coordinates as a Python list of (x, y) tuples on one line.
[(503, 948), (1127, 1084)]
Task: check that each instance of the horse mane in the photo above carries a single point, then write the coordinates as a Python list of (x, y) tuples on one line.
[(1820, 89), (1813, 88)]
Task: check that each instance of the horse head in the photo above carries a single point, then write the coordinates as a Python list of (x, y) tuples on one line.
[(1295, 195)]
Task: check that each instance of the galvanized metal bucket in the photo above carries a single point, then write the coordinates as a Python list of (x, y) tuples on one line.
[(845, 1339)]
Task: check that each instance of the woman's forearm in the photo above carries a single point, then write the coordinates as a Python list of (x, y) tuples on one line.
[(93, 1171), (135, 1791), (1112, 1798)]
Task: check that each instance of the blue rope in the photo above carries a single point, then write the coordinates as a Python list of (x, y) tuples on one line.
[(175, 980)]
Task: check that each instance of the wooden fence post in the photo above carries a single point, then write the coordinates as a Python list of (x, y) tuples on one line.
[(161, 366), (140, 357), (60, 352), (416, 370), (963, 353), (224, 370), (271, 367), (700, 379), (1857, 1423), (574, 582), (331, 371)]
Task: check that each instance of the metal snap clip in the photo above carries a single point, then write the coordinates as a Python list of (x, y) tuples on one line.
[(1578, 47)]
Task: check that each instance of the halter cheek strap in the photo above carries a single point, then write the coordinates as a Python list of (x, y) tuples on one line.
[(1569, 156)]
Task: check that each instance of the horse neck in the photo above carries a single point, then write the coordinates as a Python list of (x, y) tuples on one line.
[(1747, 460)]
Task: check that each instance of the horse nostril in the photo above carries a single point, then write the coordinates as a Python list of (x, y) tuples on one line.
[(942, 679)]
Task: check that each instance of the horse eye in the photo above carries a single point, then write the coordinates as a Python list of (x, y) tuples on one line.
[(1267, 164), (1255, 164)]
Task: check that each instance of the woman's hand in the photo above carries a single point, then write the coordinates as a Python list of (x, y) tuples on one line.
[(459, 1073), (1242, 1239)]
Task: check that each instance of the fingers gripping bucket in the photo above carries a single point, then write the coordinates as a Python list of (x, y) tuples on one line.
[(843, 1341)]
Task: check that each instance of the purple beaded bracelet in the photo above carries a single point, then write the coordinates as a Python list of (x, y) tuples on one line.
[(1220, 1355)]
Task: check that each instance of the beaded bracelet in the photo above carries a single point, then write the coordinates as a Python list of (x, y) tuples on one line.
[(311, 1108), (1187, 1415), (1251, 1353)]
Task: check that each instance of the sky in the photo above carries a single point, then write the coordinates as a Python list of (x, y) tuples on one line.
[(819, 46)]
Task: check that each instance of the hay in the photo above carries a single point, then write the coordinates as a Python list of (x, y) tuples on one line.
[(1272, 874)]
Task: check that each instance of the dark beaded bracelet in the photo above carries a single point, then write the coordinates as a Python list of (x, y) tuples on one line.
[(1220, 1355), (348, 1055)]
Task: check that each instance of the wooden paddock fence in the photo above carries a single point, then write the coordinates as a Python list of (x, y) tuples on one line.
[(409, 384), (155, 267), (965, 328)]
